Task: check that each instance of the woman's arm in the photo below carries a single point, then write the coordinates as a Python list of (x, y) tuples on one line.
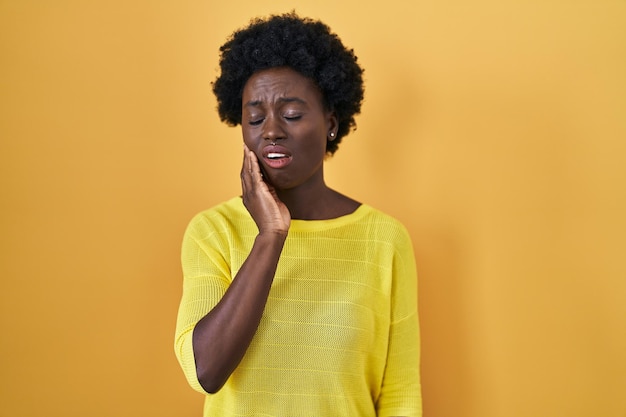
[(221, 338), (401, 389)]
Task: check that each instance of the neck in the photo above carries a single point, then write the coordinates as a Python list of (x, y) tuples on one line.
[(316, 203), (314, 200), (306, 202)]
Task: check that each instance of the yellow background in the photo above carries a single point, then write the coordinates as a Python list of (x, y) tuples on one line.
[(496, 131)]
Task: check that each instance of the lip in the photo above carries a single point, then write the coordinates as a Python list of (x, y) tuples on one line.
[(276, 163)]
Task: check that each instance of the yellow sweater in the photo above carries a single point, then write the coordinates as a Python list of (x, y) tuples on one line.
[(339, 334)]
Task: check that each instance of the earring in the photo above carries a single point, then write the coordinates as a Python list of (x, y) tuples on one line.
[(332, 134)]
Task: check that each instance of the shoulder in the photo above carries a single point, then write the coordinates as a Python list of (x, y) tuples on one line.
[(228, 215), (384, 224), (381, 231)]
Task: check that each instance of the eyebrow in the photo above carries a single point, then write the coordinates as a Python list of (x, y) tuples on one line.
[(255, 103)]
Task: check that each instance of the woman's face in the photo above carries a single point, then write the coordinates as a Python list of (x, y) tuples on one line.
[(281, 106)]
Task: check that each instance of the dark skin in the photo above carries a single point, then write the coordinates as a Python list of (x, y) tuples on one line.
[(279, 182)]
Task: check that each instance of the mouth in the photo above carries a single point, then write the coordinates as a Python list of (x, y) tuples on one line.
[(276, 156)]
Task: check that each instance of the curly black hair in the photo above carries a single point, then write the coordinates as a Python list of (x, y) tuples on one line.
[(305, 45)]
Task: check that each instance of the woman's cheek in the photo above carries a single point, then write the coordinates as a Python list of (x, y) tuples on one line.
[(246, 139)]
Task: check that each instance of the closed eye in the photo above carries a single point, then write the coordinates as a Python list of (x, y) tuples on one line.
[(292, 118), (255, 122)]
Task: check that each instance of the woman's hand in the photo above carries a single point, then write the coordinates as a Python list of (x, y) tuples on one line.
[(260, 198)]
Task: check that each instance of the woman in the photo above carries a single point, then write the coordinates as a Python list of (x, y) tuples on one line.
[(297, 300)]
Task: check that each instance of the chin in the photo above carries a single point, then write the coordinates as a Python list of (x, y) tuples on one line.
[(282, 182)]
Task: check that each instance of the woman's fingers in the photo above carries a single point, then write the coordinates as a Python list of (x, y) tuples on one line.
[(245, 172), (261, 200), (251, 165), (255, 167), (251, 177)]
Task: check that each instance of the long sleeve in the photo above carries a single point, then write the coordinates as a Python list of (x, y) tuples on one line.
[(401, 390), (206, 277)]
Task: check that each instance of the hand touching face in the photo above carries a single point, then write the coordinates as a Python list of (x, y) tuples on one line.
[(269, 213)]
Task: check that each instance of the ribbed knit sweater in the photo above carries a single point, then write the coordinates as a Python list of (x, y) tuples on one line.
[(339, 334)]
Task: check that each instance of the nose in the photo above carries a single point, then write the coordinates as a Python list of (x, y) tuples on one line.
[(273, 129)]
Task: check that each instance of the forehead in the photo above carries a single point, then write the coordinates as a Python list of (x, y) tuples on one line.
[(275, 83)]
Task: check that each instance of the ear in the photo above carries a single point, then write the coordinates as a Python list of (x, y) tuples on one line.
[(332, 125)]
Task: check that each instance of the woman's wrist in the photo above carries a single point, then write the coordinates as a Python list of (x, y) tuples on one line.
[(272, 236)]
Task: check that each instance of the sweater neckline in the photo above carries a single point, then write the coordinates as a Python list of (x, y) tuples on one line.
[(299, 225)]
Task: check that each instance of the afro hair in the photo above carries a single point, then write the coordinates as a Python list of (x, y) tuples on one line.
[(305, 45)]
